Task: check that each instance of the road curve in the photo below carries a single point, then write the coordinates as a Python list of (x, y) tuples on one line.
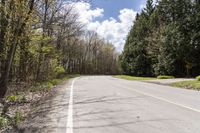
[(103, 104)]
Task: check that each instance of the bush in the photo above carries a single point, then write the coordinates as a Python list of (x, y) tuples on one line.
[(198, 78), (49, 85), (165, 77), (59, 71)]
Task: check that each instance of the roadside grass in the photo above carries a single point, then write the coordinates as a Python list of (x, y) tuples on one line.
[(165, 77), (49, 84), (134, 77), (193, 84)]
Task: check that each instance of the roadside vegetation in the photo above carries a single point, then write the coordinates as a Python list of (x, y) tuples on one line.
[(164, 40), (165, 77), (193, 84), (17, 104), (143, 78), (134, 77)]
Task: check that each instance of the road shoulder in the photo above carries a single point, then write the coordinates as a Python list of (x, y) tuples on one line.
[(44, 116)]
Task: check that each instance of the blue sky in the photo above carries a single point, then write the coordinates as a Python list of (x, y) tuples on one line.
[(112, 7), (111, 19)]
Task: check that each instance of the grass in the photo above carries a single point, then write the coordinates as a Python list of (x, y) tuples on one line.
[(192, 84), (49, 84), (134, 77), (165, 77)]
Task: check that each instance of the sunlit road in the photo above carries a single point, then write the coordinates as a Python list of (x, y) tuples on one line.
[(103, 104)]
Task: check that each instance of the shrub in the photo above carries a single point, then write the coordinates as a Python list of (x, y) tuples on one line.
[(59, 71), (49, 85), (165, 77), (198, 78)]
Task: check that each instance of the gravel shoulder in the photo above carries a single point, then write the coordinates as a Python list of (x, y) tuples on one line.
[(44, 116)]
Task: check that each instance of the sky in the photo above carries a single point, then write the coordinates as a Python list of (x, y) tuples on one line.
[(111, 19)]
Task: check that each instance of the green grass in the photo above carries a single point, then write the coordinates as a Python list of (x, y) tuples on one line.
[(134, 77), (193, 84), (165, 77)]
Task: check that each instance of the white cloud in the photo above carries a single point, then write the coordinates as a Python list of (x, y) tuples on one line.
[(86, 14), (113, 30)]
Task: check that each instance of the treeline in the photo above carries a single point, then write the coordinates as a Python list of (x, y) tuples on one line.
[(165, 40), (39, 39)]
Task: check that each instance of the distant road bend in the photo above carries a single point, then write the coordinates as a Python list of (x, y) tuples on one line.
[(103, 104)]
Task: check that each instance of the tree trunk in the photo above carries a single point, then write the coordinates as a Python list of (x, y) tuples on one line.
[(5, 76)]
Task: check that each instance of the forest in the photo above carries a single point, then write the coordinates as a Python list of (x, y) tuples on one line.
[(41, 39), (164, 40)]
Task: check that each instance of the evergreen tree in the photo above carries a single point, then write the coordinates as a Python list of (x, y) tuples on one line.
[(164, 40)]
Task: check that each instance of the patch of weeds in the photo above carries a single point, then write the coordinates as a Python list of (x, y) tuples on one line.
[(3, 122), (17, 118), (12, 98), (16, 98)]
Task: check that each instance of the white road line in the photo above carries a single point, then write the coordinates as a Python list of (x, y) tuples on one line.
[(70, 110), (165, 100)]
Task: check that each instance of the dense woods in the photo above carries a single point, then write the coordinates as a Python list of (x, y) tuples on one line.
[(41, 39), (165, 40)]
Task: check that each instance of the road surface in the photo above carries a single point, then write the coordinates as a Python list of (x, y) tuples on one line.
[(109, 105), (103, 104)]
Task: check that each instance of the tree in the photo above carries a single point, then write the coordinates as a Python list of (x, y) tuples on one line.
[(164, 40), (18, 29)]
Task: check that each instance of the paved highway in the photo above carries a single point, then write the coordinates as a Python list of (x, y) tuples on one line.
[(103, 104)]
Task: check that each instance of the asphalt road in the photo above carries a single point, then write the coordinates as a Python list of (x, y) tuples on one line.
[(103, 104)]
